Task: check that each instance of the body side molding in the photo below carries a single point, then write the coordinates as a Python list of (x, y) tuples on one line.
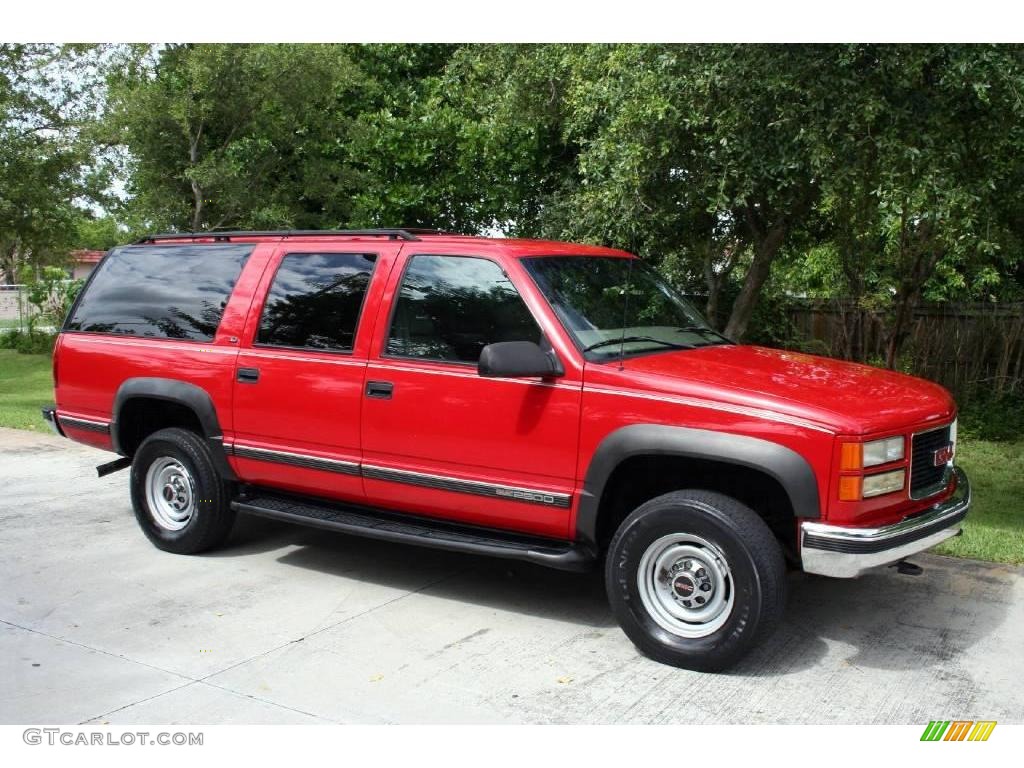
[(788, 467)]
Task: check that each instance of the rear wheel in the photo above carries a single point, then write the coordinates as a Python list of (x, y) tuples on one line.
[(180, 501), (696, 579)]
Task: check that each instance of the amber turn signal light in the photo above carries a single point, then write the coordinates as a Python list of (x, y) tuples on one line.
[(852, 456), (849, 487)]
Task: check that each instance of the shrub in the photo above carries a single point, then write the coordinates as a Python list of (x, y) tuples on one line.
[(28, 342), (988, 417), (52, 294)]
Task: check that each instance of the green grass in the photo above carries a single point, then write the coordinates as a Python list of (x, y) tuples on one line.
[(995, 526), (26, 385), (994, 530)]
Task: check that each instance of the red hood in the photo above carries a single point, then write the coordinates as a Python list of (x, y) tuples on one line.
[(847, 397)]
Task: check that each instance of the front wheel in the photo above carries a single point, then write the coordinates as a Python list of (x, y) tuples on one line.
[(180, 501), (695, 579)]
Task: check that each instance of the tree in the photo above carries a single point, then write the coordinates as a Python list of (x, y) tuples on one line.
[(703, 157), (922, 191), (279, 151), (46, 169), (889, 173)]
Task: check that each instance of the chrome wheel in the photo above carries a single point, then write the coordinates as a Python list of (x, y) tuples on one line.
[(170, 493), (685, 585)]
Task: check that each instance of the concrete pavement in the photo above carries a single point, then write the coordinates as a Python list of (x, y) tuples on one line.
[(293, 625)]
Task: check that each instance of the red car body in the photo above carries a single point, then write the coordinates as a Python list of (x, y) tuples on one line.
[(540, 435)]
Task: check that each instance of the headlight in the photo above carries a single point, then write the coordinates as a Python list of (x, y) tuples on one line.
[(883, 451), (887, 482)]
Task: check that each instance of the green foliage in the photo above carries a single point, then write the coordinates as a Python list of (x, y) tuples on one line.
[(299, 144), (889, 174), (993, 418), (870, 169), (28, 342), (920, 200), (49, 163), (98, 233), (51, 293)]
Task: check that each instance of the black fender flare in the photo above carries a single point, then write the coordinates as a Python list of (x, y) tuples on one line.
[(191, 396), (785, 465)]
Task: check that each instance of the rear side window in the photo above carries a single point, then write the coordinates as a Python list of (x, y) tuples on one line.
[(451, 307), (315, 301), (161, 291)]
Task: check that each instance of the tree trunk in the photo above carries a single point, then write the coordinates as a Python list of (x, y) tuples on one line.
[(197, 206), (197, 191), (907, 297), (711, 306), (713, 281), (10, 265), (766, 248)]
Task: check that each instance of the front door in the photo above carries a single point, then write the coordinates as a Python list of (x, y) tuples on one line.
[(440, 440), (299, 376)]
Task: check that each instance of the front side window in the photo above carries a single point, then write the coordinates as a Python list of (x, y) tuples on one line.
[(450, 307), (315, 301), (610, 304), (161, 291)]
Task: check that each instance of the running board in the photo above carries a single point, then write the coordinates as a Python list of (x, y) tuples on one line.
[(406, 529)]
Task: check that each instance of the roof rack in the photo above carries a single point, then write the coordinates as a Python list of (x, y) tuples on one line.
[(391, 234)]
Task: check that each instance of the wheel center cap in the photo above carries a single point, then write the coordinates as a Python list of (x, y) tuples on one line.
[(683, 586), (168, 493)]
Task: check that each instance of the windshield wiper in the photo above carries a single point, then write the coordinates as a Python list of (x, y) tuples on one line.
[(627, 339), (704, 332)]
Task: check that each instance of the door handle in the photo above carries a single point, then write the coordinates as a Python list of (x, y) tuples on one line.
[(380, 390), (248, 375)]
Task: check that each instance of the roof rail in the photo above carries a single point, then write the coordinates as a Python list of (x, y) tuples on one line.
[(391, 234)]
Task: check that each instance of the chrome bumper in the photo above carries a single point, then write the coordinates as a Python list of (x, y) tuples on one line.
[(832, 550)]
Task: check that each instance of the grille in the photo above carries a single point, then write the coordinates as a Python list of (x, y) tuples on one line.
[(925, 478)]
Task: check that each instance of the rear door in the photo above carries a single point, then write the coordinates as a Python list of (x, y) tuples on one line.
[(300, 369)]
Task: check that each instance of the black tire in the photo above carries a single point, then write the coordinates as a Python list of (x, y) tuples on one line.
[(209, 523), (756, 577)]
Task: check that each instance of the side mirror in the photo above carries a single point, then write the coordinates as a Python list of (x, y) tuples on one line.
[(513, 359)]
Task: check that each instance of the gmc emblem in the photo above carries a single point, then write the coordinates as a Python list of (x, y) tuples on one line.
[(942, 455)]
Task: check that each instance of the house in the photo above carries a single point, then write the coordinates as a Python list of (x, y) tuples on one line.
[(84, 262)]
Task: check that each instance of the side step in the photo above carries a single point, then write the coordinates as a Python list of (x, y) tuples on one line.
[(406, 529)]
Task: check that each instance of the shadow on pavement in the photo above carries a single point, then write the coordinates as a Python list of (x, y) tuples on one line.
[(882, 620)]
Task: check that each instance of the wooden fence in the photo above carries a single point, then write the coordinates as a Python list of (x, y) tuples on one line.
[(970, 348)]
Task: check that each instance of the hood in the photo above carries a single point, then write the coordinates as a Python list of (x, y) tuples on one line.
[(848, 397)]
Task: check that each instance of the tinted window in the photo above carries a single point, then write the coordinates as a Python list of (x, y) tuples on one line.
[(451, 307), (162, 291), (315, 300)]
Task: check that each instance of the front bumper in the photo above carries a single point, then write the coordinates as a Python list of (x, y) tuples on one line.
[(833, 550)]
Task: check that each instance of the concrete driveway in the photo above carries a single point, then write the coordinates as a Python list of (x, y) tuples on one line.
[(292, 625)]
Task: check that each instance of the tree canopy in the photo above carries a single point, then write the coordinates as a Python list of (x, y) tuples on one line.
[(883, 173), (46, 167)]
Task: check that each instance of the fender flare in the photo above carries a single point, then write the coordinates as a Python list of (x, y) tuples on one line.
[(785, 465), (192, 397)]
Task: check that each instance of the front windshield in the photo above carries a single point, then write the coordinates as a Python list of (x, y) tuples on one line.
[(607, 303)]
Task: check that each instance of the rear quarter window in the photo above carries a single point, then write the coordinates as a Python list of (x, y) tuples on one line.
[(160, 291)]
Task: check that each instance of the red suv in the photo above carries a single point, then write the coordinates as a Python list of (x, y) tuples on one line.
[(533, 400)]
